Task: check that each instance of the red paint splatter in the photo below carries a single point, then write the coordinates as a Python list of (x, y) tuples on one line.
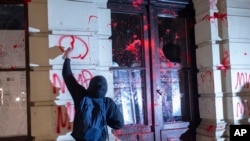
[(133, 46), (170, 64), (136, 4), (225, 63), (15, 46), (209, 128), (114, 24), (145, 27), (222, 17)]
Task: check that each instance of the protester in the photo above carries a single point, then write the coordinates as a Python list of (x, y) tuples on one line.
[(97, 90)]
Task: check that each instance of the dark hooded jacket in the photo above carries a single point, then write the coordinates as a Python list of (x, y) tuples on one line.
[(97, 89)]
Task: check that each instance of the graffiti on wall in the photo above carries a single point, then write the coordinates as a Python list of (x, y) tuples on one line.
[(65, 111), (74, 41), (206, 81)]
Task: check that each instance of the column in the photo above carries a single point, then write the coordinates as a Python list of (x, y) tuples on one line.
[(222, 39)]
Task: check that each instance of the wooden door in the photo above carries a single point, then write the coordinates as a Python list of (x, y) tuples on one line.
[(174, 70), (154, 60)]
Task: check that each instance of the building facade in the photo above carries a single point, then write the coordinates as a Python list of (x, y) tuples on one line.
[(171, 66)]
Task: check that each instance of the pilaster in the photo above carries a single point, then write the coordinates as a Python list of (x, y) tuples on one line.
[(222, 39), (55, 25)]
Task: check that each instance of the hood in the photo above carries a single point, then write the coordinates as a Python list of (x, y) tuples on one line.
[(98, 87)]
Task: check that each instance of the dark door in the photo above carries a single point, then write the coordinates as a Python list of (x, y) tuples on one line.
[(174, 70)]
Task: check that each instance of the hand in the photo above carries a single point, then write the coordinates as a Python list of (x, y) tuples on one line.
[(67, 53)]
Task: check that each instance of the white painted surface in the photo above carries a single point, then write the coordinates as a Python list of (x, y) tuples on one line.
[(72, 15)]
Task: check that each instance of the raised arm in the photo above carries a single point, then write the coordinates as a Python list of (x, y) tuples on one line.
[(75, 89)]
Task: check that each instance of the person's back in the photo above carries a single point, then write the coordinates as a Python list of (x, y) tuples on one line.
[(97, 90)]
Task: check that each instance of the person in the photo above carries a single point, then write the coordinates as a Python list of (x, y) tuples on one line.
[(97, 89)]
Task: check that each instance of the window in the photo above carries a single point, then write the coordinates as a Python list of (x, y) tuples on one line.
[(128, 66), (174, 68), (13, 72)]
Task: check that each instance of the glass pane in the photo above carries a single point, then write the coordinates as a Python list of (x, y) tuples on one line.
[(13, 117), (171, 96), (12, 16), (12, 36), (172, 40), (128, 89), (126, 40)]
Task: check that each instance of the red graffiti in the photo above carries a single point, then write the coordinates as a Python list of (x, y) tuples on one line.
[(55, 79), (83, 79), (70, 111), (243, 108), (243, 79), (73, 38), (222, 17), (72, 43), (91, 17), (207, 80), (62, 120)]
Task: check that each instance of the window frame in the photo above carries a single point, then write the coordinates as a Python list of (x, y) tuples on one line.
[(141, 10)]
